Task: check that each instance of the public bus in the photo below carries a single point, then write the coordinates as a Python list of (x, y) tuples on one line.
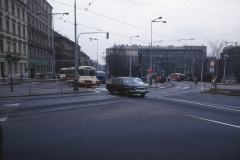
[(86, 75), (177, 77), (62, 73), (101, 76)]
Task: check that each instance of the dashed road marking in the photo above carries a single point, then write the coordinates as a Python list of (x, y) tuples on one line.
[(16, 104), (3, 119)]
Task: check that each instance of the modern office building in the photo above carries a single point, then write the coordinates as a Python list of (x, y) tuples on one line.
[(165, 59), (13, 38)]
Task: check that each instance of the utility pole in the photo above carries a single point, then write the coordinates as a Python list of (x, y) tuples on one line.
[(130, 71), (75, 88)]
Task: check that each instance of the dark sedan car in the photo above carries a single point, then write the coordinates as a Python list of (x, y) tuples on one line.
[(128, 85)]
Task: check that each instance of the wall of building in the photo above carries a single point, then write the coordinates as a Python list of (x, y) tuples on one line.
[(166, 59), (13, 37), (40, 37)]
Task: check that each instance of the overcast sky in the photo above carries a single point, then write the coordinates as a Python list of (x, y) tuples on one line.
[(202, 20)]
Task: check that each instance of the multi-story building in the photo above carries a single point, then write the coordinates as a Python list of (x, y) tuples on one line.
[(165, 59), (40, 38), (230, 62), (13, 37), (65, 53)]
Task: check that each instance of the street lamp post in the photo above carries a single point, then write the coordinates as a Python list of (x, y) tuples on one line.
[(225, 59), (155, 20), (97, 50), (131, 37), (76, 85)]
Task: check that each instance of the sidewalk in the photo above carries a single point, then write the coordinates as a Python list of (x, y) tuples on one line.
[(23, 89)]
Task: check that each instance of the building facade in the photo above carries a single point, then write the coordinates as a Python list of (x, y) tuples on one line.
[(165, 59), (230, 60), (13, 38), (40, 38), (65, 53)]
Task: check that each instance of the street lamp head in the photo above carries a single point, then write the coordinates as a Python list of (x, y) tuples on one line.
[(164, 21), (159, 17), (66, 13)]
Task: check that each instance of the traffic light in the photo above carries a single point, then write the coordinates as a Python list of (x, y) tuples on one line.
[(139, 57), (9, 57)]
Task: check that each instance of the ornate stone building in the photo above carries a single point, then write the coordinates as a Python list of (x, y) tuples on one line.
[(13, 37), (40, 38)]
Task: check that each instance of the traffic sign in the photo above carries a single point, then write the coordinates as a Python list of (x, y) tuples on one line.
[(212, 63), (211, 70), (149, 69)]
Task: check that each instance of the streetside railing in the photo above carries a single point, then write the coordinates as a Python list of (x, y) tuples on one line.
[(223, 88), (48, 84)]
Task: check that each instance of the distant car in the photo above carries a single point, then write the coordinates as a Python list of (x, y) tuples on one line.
[(128, 86)]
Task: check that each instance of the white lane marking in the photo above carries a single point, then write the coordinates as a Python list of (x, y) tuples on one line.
[(214, 121), (204, 104), (177, 87), (3, 119), (185, 87), (17, 104)]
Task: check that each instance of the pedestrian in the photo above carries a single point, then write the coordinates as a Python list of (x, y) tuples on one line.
[(21, 76), (195, 80)]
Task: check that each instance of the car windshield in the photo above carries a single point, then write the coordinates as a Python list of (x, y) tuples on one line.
[(133, 80)]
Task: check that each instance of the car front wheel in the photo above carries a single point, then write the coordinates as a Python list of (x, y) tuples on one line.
[(142, 94), (111, 91), (127, 93)]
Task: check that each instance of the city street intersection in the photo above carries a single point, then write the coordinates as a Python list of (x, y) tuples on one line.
[(174, 121)]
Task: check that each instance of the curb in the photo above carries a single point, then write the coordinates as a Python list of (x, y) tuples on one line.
[(45, 94)]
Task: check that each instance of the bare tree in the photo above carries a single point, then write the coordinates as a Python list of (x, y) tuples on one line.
[(117, 61), (216, 48)]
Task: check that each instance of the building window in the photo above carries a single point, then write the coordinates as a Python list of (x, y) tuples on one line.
[(29, 20), (1, 45), (23, 15), (15, 67), (24, 50), (0, 23), (8, 46), (20, 48), (13, 9), (13, 28), (18, 12), (19, 31), (29, 36), (7, 25), (14, 47), (6, 5), (24, 33)]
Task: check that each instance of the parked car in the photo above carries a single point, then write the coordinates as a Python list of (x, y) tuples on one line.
[(128, 86)]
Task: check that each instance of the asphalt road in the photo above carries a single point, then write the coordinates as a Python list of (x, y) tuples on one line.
[(176, 122)]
